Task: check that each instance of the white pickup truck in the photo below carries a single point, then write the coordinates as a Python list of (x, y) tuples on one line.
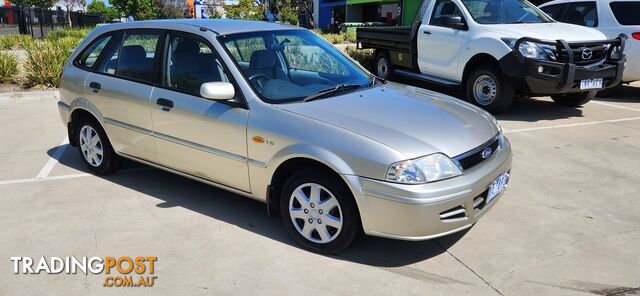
[(498, 50)]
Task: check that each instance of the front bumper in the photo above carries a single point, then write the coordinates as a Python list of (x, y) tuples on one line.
[(559, 77), (420, 212)]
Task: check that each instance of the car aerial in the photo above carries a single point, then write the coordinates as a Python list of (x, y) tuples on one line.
[(611, 17), (498, 50), (277, 114)]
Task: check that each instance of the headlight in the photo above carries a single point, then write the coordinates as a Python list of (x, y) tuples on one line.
[(533, 50), (421, 170)]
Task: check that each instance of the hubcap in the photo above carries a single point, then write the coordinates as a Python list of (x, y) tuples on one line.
[(485, 90), (382, 67), (315, 213), (91, 146)]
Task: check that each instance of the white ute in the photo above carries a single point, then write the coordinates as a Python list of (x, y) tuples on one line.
[(498, 50)]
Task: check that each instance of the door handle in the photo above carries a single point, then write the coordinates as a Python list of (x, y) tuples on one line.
[(427, 32), (165, 104), (95, 87)]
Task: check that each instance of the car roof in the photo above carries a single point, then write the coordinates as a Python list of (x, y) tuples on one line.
[(219, 26), (573, 1)]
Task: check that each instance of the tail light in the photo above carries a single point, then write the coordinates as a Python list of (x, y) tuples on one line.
[(636, 35)]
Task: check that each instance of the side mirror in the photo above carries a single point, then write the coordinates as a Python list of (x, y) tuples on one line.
[(454, 22), (218, 91)]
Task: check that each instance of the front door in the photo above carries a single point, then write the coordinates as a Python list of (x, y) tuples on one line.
[(439, 46), (194, 135)]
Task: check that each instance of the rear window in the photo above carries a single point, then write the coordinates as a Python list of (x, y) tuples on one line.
[(627, 13)]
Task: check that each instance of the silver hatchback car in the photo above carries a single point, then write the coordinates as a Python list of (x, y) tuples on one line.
[(277, 114)]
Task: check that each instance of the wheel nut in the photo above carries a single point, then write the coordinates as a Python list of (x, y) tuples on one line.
[(319, 221), (312, 205), (320, 212), (310, 220), (306, 211)]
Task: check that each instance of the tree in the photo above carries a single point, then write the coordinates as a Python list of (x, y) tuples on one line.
[(169, 9), (138, 9), (246, 10), (108, 12), (287, 11)]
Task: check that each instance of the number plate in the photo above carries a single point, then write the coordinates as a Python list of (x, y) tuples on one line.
[(591, 83), (498, 186)]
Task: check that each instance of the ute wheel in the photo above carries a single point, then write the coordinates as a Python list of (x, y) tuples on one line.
[(384, 67), (95, 149), (319, 211), (489, 89), (574, 99)]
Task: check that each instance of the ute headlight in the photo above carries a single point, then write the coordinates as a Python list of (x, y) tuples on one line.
[(532, 50), (421, 170)]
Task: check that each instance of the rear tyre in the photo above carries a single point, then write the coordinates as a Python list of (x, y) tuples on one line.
[(574, 99), (96, 151), (384, 67), (319, 211), (487, 88)]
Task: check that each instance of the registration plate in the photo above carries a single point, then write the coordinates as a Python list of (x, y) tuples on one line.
[(591, 83), (498, 186)]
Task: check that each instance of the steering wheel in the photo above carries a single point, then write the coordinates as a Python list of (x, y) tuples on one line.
[(258, 80)]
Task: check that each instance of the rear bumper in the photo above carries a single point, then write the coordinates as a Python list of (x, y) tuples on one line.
[(542, 77), (420, 212)]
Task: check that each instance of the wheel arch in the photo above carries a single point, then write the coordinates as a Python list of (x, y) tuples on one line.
[(475, 61), (78, 115)]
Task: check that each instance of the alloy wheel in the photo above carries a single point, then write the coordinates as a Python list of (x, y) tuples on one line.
[(91, 146)]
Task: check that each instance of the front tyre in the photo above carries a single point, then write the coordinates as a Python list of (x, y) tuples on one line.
[(95, 149), (489, 89), (574, 99), (319, 212), (384, 67)]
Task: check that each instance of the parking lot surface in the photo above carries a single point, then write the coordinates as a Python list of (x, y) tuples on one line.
[(568, 224)]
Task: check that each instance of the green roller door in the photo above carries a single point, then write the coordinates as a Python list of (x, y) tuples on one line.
[(409, 9)]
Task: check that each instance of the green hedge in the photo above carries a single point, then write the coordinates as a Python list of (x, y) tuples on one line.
[(8, 67)]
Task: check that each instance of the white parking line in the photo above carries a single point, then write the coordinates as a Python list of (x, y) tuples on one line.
[(570, 125), (72, 176), (615, 106), (53, 160)]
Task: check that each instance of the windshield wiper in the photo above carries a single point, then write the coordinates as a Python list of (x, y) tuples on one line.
[(329, 91)]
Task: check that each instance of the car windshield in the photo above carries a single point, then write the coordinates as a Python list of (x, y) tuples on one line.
[(505, 12), (293, 65)]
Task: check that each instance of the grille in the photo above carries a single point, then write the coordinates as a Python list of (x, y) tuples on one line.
[(453, 214), (598, 53), (472, 160)]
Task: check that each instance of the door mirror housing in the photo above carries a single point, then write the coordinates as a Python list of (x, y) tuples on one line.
[(454, 22), (218, 91)]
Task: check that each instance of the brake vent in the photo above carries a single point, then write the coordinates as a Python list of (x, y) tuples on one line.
[(453, 214)]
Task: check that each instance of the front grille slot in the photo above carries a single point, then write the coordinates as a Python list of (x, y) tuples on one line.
[(475, 158), (453, 214)]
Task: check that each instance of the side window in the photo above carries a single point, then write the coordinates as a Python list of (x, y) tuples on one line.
[(90, 55), (443, 8), (582, 13), (133, 57), (310, 57), (190, 63), (555, 11)]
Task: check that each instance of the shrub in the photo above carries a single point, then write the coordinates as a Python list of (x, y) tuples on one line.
[(8, 67), (340, 38), (62, 33), (44, 63), (15, 41), (364, 56)]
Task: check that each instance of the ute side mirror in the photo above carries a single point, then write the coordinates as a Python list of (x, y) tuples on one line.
[(218, 91), (454, 22)]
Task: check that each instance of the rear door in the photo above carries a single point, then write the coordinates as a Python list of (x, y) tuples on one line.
[(194, 135), (121, 89), (438, 45)]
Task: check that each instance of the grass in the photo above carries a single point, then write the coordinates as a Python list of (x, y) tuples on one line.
[(16, 41), (44, 63), (8, 67), (349, 37)]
